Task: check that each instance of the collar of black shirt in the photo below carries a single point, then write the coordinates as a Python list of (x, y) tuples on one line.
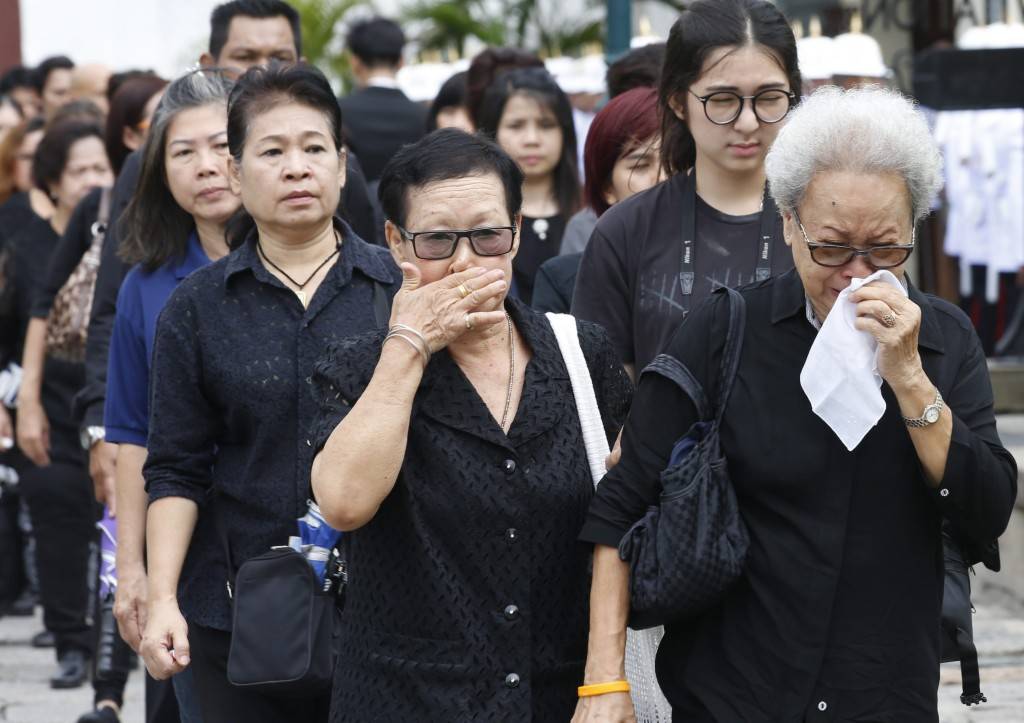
[(355, 254), (789, 300)]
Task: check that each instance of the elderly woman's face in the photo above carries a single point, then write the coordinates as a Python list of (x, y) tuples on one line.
[(855, 209), (456, 204), (291, 173)]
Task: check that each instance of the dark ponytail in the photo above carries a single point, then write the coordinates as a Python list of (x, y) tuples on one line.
[(703, 27)]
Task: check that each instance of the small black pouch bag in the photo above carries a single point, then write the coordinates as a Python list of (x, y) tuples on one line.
[(283, 637), (686, 551)]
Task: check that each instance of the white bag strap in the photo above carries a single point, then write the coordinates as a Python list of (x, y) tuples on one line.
[(594, 437), (649, 703)]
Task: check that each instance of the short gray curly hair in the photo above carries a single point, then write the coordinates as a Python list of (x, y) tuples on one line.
[(865, 130)]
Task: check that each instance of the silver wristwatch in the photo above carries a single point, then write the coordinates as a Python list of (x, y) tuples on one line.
[(89, 436), (930, 415)]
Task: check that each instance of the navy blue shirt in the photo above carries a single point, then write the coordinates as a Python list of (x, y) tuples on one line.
[(141, 299), (231, 402)]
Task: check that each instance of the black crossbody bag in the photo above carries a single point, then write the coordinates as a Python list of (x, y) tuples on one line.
[(285, 624)]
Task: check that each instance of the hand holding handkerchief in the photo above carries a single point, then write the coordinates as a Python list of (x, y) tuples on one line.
[(840, 376)]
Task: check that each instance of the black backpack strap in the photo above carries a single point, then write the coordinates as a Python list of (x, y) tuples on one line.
[(381, 305), (732, 351), (969, 675), (671, 368)]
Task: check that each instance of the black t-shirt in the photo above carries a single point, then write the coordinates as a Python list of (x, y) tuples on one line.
[(629, 277), (541, 238)]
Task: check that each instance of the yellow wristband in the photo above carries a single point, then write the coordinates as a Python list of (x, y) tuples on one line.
[(616, 686)]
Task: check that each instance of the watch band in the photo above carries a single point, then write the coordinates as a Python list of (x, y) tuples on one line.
[(930, 415)]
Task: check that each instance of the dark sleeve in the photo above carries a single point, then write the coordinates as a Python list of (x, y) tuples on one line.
[(69, 252), (979, 486), (604, 293), (183, 424), (552, 287), (338, 380), (612, 387), (89, 401), (660, 415), (8, 308), (126, 410), (356, 205)]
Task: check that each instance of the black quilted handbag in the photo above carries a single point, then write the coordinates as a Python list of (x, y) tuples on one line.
[(686, 551)]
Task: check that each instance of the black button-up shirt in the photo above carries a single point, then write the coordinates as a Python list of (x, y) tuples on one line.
[(468, 590), (837, 614), (231, 402)]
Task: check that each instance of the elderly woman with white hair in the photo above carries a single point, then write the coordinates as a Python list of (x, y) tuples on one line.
[(836, 613)]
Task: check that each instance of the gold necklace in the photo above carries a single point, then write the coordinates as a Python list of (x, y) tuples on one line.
[(511, 371)]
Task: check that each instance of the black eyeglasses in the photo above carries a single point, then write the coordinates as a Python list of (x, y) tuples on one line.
[(724, 106), (436, 245), (880, 257)]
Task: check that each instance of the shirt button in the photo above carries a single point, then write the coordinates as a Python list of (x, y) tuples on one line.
[(511, 612), (510, 466), (511, 534), (944, 492), (511, 680), (823, 706)]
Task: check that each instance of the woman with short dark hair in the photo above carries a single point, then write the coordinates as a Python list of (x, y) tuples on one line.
[(230, 398), (451, 447)]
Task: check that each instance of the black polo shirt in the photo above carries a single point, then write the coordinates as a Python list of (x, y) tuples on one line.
[(837, 614), (230, 402)]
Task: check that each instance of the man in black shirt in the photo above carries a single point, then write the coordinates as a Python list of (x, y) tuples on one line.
[(379, 118)]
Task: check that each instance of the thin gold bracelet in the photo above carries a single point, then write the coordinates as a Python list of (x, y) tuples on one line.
[(615, 686)]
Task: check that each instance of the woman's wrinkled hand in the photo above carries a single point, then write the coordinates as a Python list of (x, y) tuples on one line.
[(444, 310), (607, 708), (165, 649), (894, 321), (33, 432)]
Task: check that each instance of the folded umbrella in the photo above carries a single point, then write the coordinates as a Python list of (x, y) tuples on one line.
[(316, 539)]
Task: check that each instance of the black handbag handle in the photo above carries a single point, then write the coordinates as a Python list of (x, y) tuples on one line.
[(671, 368)]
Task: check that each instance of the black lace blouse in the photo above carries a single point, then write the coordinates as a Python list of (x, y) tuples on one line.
[(468, 590)]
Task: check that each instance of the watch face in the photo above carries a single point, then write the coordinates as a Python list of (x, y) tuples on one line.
[(931, 415)]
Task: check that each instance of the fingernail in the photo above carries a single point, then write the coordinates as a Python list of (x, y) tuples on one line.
[(183, 660), (501, 285)]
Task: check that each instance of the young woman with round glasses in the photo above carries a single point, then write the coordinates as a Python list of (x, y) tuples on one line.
[(729, 81)]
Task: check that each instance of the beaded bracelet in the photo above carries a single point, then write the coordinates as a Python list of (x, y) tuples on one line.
[(615, 686)]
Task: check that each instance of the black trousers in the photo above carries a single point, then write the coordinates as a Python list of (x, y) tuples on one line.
[(64, 513), (222, 702)]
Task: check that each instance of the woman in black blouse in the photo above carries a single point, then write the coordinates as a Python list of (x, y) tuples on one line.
[(230, 398), (452, 448), (69, 163), (531, 119), (729, 79), (836, 615)]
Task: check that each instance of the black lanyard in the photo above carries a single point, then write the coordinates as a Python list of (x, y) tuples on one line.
[(687, 275)]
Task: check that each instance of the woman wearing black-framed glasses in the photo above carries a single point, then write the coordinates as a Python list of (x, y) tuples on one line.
[(729, 81), (450, 447)]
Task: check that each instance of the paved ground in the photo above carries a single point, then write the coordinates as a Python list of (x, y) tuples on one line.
[(25, 696)]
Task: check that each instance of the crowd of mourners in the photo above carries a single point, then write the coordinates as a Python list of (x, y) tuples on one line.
[(229, 295)]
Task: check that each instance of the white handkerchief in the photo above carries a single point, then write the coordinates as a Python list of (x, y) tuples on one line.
[(840, 376)]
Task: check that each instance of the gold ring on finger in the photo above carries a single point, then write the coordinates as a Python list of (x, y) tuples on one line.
[(469, 322), (463, 291), (889, 320)]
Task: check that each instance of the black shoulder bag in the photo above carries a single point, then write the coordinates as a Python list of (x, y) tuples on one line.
[(957, 627), (687, 550), (284, 627)]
